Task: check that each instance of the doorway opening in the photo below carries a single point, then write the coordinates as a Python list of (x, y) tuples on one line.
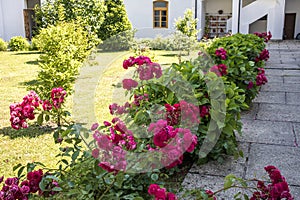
[(29, 16), (289, 26)]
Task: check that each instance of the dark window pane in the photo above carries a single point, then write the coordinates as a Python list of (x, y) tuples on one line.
[(164, 12), (164, 24), (164, 19), (160, 4), (156, 12), (156, 18), (156, 24)]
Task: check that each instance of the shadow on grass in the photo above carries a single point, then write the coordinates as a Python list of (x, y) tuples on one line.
[(30, 132), (28, 53), (32, 62), (29, 83), (170, 55)]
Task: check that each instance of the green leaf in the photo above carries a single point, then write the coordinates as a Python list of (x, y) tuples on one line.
[(52, 177), (229, 181), (40, 119), (65, 161), (237, 195), (42, 185), (154, 177), (246, 197), (17, 166), (57, 189), (20, 171), (119, 180), (75, 155), (47, 118), (86, 135)]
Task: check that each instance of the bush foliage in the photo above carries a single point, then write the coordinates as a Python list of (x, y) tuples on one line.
[(116, 20), (3, 45), (88, 13), (18, 43), (188, 24), (189, 110), (64, 47), (243, 60)]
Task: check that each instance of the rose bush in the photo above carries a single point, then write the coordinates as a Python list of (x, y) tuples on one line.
[(244, 55), (189, 110)]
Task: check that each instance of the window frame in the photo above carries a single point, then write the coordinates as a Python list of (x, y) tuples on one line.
[(161, 9)]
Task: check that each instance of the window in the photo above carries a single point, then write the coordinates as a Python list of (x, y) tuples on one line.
[(160, 14)]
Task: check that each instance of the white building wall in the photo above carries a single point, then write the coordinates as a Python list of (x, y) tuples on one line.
[(140, 14), (12, 18), (258, 26), (275, 22), (212, 6), (293, 6), (275, 9), (1, 21)]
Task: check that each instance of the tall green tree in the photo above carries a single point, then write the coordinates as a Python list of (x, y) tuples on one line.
[(88, 13), (116, 20)]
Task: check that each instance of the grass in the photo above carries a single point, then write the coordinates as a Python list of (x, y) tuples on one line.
[(33, 144), (93, 92)]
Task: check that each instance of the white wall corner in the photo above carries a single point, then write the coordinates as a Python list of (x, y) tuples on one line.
[(275, 22), (1, 22), (235, 16), (201, 18)]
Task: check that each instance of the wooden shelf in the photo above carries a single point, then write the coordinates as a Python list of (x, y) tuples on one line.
[(216, 24)]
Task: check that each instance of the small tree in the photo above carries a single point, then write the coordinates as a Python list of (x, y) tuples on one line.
[(188, 24), (188, 27), (64, 47), (116, 20)]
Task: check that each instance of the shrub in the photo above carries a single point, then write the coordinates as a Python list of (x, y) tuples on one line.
[(18, 43), (119, 42), (88, 13), (116, 20), (175, 42), (65, 47), (3, 45), (245, 56), (188, 24), (33, 44)]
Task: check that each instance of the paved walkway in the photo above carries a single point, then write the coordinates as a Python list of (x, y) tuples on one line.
[(271, 130)]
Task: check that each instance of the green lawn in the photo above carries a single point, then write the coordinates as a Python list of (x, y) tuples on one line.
[(36, 143)]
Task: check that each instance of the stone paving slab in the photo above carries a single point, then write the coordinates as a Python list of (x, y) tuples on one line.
[(251, 113), (278, 112), (270, 97), (267, 132), (275, 79), (281, 66), (230, 165), (295, 191), (277, 87), (287, 159), (280, 72), (296, 129), (293, 98), (271, 129), (291, 79), (213, 183)]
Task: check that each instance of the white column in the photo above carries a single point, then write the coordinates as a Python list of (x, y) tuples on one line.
[(235, 16), (201, 18), (276, 20), (1, 22)]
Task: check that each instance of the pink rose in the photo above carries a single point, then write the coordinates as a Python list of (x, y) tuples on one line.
[(129, 83)]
